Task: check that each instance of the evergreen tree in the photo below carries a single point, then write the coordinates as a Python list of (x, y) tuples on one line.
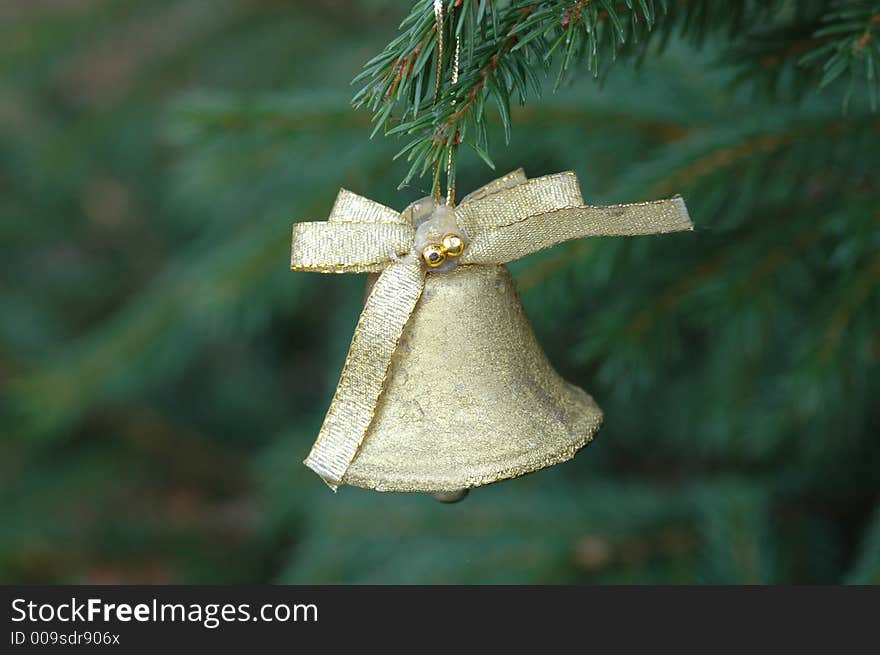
[(163, 373)]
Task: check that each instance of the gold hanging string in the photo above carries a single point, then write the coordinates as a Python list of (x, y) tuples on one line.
[(450, 164), (438, 17), (438, 80)]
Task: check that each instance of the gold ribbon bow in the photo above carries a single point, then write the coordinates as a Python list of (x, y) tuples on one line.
[(503, 221)]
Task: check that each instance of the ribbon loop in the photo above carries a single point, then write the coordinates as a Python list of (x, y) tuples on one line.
[(348, 247), (518, 202), (506, 219), (350, 206)]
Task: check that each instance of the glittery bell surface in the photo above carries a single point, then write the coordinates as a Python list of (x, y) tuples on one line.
[(470, 397)]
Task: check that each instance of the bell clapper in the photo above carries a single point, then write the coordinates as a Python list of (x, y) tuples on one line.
[(450, 497)]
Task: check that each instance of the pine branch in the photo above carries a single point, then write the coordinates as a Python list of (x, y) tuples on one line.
[(505, 45), (502, 48), (850, 37)]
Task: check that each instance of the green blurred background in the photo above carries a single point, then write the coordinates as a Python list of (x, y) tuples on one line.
[(163, 373)]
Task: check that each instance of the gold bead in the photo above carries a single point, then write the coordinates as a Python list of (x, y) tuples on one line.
[(453, 245), (433, 255)]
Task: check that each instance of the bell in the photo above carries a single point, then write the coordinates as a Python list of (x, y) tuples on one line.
[(470, 397), (445, 387)]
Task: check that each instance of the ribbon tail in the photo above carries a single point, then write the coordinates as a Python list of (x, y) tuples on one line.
[(386, 312)]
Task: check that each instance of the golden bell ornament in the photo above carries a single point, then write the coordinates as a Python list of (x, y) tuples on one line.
[(445, 386), (470, 397)]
